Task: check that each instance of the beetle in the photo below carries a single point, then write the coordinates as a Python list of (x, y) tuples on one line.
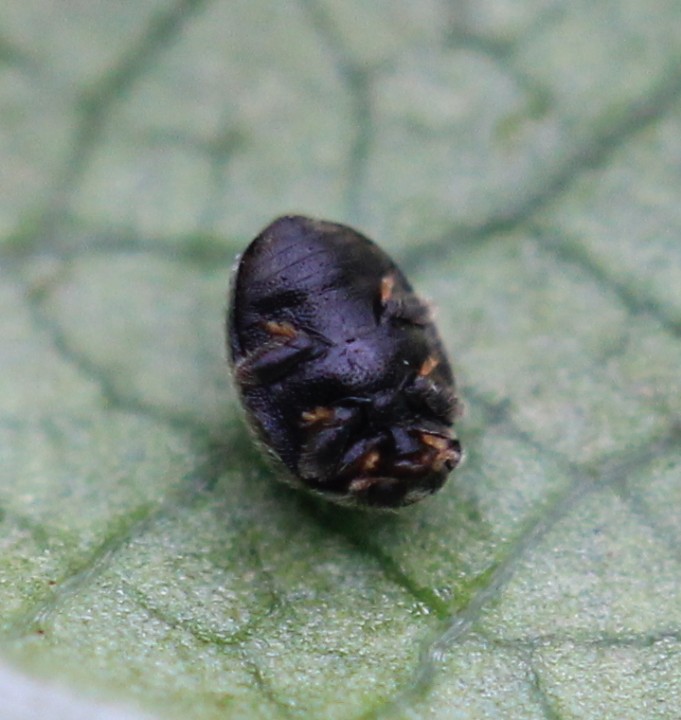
[(339, 366)]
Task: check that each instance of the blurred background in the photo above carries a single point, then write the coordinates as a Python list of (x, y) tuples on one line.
[(164, 120)]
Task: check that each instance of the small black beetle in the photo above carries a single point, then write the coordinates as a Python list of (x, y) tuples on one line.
[(339, 366)]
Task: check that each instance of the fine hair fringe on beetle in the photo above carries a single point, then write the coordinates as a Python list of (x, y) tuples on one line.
[(339, 366)]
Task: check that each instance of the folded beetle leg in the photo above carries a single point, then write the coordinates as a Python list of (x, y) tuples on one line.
[(278, 356)]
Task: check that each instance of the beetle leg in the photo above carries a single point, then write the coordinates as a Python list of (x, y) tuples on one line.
[(278, 356), (408, 309), (328, 433), (428, 365), (442, 452), (439, 400), (363, 458), (396, 304), (387, 288)]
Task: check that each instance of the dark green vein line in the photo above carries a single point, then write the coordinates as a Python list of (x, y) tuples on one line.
[(28, 525), (267, 691), (542, 699), (602, 640), (235, 641), (276, 601), (640, 508), (98, 102), (200, 249), (203, 636), (458, 36), (39, 615), (357, 79), (593, 154), (219, 148), (194, 485), (586, 480), (13, 56), (220, 446), (201, 433), (570, 252), (590, 155), (340, 521), (459, 30)]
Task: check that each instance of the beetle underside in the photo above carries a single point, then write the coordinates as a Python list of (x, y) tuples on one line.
[(340, 367)]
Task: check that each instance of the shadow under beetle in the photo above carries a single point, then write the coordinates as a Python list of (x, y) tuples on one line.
[(339, 366)]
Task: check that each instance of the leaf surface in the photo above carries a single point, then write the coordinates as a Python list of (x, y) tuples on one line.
[(522, 161)]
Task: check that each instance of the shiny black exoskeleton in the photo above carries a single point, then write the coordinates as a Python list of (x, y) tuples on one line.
[(339, 366)]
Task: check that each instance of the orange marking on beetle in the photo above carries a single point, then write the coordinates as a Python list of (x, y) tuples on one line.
[(317, 416), (370, 461), (387, 287), (429, 364), (441, 453), (434, 441), (280, 329)]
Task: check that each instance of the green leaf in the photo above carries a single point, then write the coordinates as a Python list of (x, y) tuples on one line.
[(523, 162)]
